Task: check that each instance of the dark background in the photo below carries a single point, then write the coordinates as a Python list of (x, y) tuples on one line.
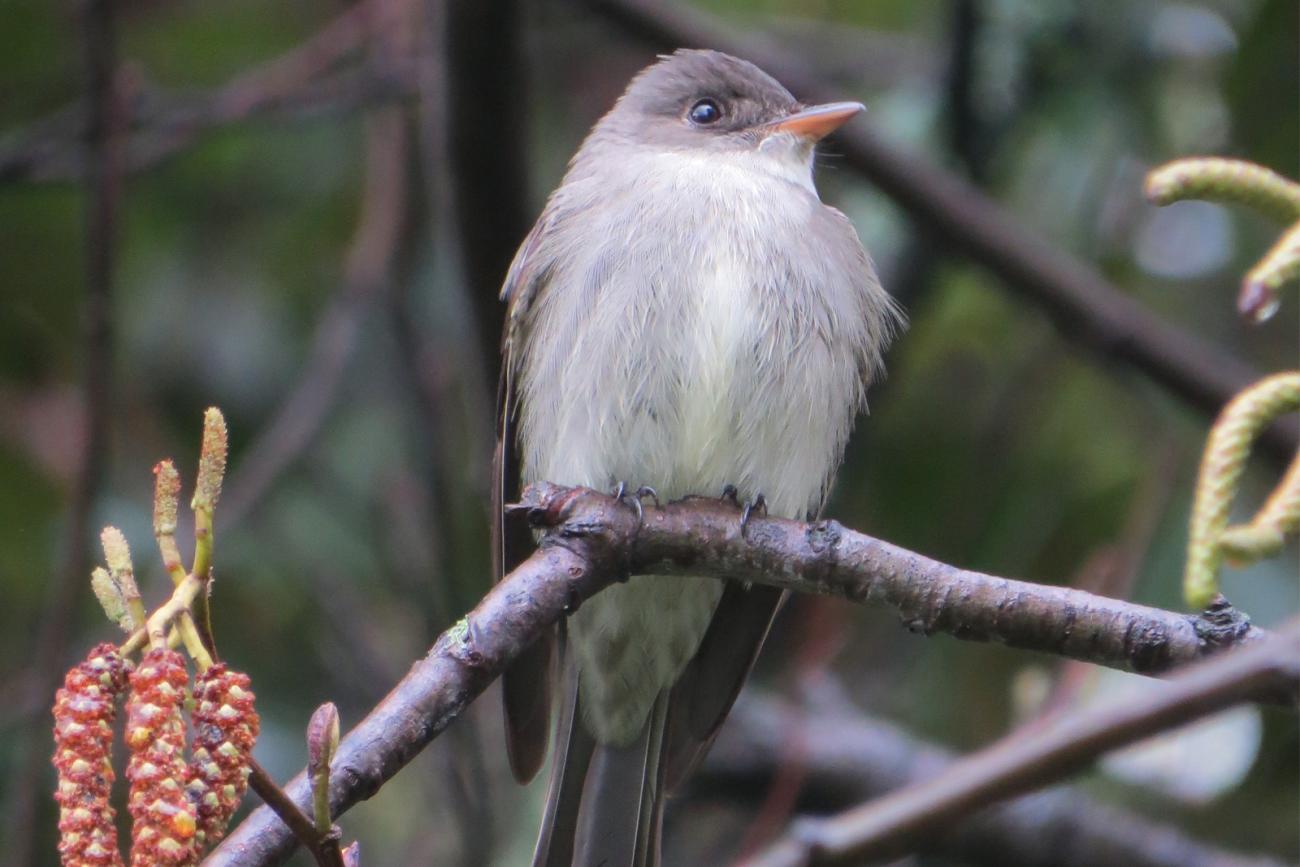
[(300, 212)]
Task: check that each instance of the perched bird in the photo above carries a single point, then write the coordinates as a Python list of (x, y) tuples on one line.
[(686, 315)]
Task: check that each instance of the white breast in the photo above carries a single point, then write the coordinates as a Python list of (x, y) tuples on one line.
[(723, 332)]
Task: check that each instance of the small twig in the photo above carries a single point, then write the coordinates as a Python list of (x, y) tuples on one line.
[(593, 539), (181, 602), (821, 623), (1024, 761), (298, 822), (346, 33), (468, 53), (167, 122)]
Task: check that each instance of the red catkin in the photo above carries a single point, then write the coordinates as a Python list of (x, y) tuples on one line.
[(225, 729), (83, 743), (164, 823)]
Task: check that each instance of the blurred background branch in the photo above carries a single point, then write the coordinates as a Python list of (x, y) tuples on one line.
[(366, 274), (890, 826), (303, 82), (849, 758)]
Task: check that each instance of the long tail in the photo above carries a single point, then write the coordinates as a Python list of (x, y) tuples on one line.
[(604, 805)]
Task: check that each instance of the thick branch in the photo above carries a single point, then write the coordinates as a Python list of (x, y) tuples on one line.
[(593, 540), (1084, 306), (1025, 760), (848, 758), (701, 536)]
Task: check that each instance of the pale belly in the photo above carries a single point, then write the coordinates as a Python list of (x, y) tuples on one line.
[(728, 406)]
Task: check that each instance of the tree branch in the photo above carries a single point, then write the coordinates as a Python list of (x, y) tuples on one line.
[(167, 122), (375, 244), (849, 758), (301, 80), (593, 540), (1027, 759), (1084, 306)]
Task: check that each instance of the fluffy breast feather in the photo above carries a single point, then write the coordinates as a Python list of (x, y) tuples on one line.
[(701, 323), (697, 317)]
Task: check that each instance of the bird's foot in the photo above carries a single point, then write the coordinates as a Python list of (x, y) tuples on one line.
[(754, 505), (757, 504), (632, 499)]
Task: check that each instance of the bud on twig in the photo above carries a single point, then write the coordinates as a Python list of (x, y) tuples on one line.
[(166, 498), (322, 743), (110, 598), (122, 573), (1258, 300), (212, 461)]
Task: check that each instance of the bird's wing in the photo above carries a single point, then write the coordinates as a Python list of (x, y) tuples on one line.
[(526, 685), (708, 686)]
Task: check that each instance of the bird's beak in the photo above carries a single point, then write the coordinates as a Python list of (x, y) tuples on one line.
[(818, 121)]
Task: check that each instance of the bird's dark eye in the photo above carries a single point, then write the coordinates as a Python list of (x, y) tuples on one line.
[(704, 112)]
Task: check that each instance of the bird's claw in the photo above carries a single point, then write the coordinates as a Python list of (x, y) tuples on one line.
[(757, 504), (647, 491), (731, 494), (633, 499)]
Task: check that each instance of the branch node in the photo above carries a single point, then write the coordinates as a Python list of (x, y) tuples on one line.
[(1220, 624), (824, 536)]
